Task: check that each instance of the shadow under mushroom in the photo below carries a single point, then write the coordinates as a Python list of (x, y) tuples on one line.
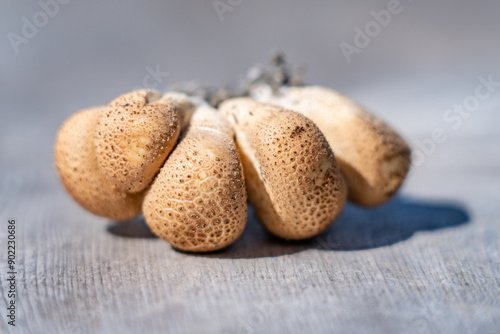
[(356, 229), (131, 228)]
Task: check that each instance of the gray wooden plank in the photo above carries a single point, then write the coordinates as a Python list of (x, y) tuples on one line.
[(418, 264), (427, 262)]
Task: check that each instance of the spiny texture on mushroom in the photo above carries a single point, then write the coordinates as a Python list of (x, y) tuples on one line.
[(134, 137), (372, 156), (198, 200), (80, 174), (292, 178)]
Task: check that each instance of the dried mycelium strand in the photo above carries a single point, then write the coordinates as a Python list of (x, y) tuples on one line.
[(276, 74)]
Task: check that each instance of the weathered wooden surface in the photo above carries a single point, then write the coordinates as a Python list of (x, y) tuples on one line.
[(418, 264), (427, 262)]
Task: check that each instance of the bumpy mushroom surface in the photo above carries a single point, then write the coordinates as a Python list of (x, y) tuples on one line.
[(372, 156), (292, 177), (184, 106), (134, 137), (80, 174), (197, 202)]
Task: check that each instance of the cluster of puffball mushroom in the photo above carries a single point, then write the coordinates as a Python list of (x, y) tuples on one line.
[(297, 152)]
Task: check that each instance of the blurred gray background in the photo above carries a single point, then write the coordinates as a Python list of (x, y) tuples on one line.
[(425, 262), (426, 59)]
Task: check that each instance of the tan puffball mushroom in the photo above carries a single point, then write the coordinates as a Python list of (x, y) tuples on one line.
[(372, 156), (292, 177), (184, 105), (198, 201), (80, 174), (134, 137)]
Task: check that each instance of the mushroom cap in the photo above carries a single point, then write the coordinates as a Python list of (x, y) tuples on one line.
[(77, 166), (197, 202), (292, 177), (372, 156), (134, 137)]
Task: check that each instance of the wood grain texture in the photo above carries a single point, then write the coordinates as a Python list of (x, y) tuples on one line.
[(427, 262)]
